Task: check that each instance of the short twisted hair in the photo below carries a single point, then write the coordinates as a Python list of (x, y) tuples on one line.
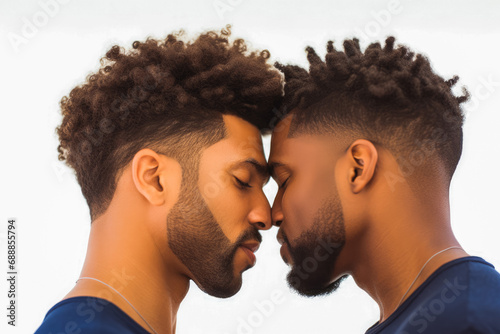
[(385, 94), (168, 95)]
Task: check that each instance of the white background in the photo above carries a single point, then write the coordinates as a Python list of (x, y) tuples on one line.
[(460, 37)]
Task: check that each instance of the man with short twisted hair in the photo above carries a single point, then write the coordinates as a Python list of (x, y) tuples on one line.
[(364, 162), (165, 140)]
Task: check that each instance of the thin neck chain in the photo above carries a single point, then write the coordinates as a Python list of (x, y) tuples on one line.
[(95, 279), (418, 275)]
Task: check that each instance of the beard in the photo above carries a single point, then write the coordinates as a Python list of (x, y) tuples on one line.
[(196, 238), (315, 252)]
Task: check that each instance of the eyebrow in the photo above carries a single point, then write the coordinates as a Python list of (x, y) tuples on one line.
[(262, 170)]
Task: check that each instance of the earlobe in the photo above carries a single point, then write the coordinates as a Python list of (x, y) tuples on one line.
[(146, 174), (363, 158)]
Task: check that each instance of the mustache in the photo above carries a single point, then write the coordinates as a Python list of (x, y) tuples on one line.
[(252, 234)]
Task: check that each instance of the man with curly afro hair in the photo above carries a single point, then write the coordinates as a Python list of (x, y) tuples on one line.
[(363, 160), (165, 141)]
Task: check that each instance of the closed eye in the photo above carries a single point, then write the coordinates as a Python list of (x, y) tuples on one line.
[(242, 184), (284, 183)]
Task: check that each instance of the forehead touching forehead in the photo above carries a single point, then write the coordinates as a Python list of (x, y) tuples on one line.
[(280, 135)]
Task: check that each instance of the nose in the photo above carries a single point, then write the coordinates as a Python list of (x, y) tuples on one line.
[(260, 215), (276, 212)]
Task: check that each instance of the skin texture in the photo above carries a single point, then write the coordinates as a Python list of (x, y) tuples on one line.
[(313, 210), (390, 229), (157, 200)]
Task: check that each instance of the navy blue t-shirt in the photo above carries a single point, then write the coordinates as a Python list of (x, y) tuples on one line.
[(462, 296), (82, 315)]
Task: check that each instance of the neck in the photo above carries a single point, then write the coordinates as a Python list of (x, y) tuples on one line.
[(122, 254), (396, 246)]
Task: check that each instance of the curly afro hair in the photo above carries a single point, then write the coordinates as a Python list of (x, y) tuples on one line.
[(168, 95), (385, 94)]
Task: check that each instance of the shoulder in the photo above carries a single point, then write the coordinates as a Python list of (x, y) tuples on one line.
[(87, 315), (464, 297), (482, 297), (473, 281)]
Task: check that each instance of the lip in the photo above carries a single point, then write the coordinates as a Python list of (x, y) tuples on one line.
[(250, 248), (279, 237), (285, 254)]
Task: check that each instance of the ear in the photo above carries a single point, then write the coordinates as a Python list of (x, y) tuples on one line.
[(148, 169), (363, 158)]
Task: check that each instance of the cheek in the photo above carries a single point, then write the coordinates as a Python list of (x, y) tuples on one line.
[(352, 209), (226, 205), (300, 205), (230, 212)]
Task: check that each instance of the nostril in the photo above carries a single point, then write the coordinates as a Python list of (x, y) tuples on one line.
[(278, 223), (261, 224)]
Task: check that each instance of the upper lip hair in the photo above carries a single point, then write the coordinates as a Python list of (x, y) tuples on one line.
[(252, 245)]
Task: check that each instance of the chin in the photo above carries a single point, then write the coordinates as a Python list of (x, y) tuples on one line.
[(222, 290), (313, 287)]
